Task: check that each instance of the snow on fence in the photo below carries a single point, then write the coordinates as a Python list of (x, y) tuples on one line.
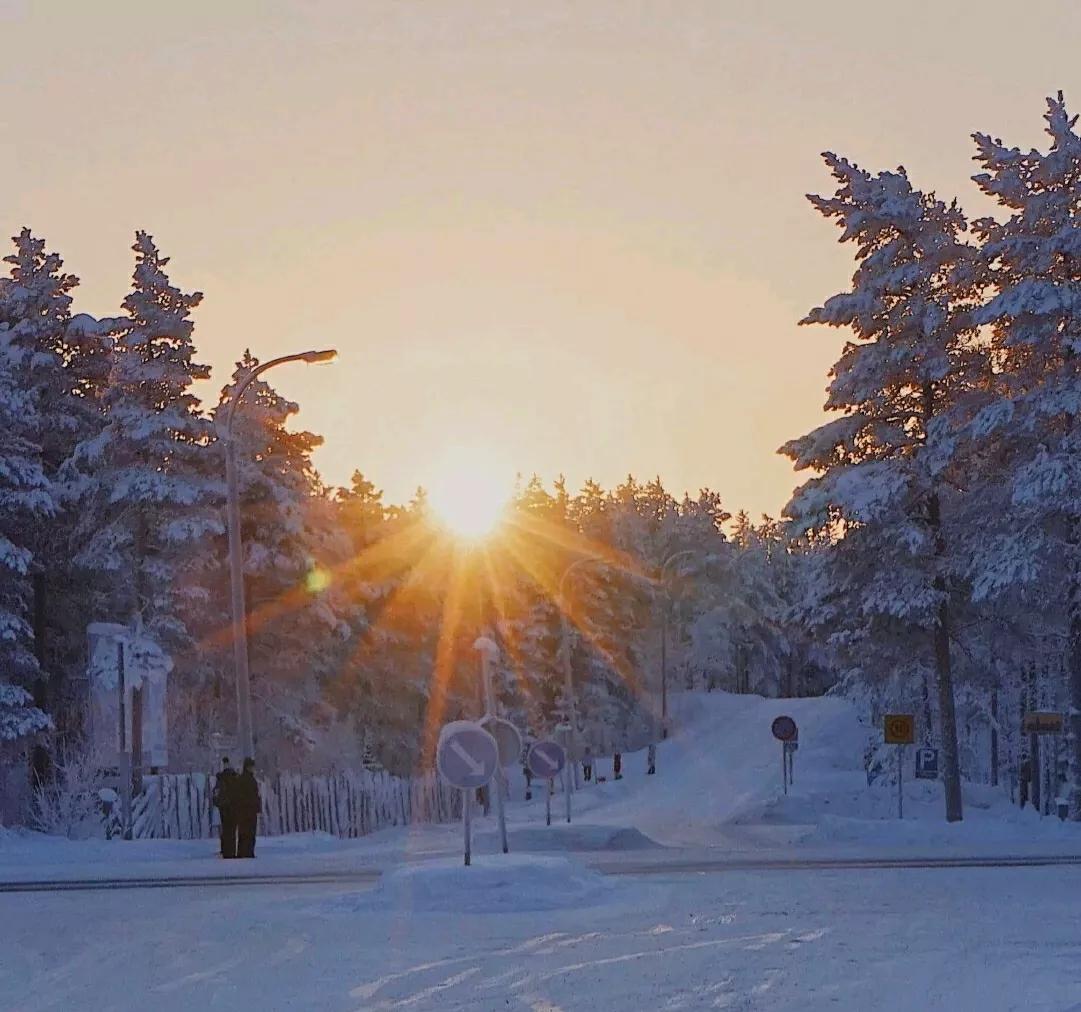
[(178, 806)]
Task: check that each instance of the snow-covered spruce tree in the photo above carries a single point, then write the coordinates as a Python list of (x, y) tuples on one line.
[(60, 363), (147, 481), (24, 499), (883, 465), (1030, 267)]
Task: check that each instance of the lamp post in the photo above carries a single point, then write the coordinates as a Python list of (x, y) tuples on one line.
[(667, 607), (568, 683), (236, 560)]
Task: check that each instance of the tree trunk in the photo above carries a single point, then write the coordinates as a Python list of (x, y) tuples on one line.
[(951, 767)]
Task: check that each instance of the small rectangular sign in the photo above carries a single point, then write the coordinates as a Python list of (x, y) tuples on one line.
[(1042, 723), (927, 764), (899, 728)]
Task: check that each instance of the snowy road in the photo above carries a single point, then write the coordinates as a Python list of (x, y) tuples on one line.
[(995, 939), (665, 865)]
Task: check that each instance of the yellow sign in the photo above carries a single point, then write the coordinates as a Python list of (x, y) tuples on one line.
[(899, 728), (1042, 723)]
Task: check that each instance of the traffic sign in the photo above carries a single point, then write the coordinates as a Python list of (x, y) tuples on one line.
[(546, 759), (467, 756), (899, 728), (784, 729), (1042, 723), (507, 737), (927, 764)]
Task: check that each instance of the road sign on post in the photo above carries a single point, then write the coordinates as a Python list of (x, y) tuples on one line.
[(784, 729), (545, 760), (508, 739), (899, 729), (927, 763), (467, 757)]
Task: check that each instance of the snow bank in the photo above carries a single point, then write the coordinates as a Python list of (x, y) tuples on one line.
[(500, 883)]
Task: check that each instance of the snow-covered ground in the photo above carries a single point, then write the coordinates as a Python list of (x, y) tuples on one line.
[(560, 938), (544, 929)]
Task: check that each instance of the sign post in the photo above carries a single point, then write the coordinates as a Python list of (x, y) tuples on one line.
[(785, 731), (489, 652), (547, 759), (564, 732), (899, 729), (467, 758)]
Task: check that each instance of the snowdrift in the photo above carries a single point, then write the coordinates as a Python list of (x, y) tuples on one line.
[(503, 883)]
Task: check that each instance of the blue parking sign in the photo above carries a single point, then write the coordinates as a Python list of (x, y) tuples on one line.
[(927, 764)]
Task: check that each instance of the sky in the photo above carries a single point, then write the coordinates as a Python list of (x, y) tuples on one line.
[(544, 237)]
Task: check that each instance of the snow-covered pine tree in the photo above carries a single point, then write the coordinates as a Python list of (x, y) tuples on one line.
[(1030, 267), (881, 489), (25, 499), (148, 483)]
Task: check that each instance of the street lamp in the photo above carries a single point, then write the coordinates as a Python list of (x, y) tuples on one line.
[(666, 590), (236, 561), (568, 684)]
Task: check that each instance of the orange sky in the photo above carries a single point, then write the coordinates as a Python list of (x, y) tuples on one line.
[(570, 234)]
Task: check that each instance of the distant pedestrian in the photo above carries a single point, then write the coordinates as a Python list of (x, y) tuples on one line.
[(223, 797), (246, 808), (617, 766), (528, 783), (651, 760), (587, 764)]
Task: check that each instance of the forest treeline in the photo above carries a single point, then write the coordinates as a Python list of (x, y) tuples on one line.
[(929, 564)]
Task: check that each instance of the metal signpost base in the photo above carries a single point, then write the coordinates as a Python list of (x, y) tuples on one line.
[(466, 800)]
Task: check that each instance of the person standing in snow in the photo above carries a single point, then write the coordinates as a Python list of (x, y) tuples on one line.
[(617, 766), (246, 809), (224, 786), (587, 764), (651, 760)]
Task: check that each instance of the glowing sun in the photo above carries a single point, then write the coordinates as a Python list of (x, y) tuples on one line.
[(467, 493)]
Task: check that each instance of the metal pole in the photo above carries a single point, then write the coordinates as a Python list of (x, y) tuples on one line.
[(900, 791), (567, 792), (568, 683), (245, 738), (466, 799), (236, 551), (784, 767), (664, 664), (548, 804), (489, 706)]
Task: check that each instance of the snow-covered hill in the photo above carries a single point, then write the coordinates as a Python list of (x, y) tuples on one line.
[(718, 784)]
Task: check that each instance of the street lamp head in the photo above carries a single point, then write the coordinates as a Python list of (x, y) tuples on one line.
[(313, 357)]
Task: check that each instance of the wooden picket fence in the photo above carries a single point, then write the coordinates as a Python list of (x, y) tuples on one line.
[(178, 806)]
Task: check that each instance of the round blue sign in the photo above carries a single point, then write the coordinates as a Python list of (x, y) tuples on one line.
[(546, 759), (467, 755)]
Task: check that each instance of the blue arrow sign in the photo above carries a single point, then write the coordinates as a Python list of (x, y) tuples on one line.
[(467, 755), (546, 759)]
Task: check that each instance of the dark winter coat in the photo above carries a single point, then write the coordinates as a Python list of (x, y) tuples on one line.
[(245, 795), (225, 788)]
